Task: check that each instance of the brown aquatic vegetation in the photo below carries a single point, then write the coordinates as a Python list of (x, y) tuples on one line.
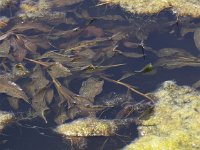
[(60, 68)]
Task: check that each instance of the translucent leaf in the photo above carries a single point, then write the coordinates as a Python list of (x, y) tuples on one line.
[(57, 70), (90, 88), (4, 48), (14, 102), (56, 57), (12, 89), (38, 82), (174, 52), (39, 103)]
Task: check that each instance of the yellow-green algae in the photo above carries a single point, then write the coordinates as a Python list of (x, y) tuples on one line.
[(4, 3), (88, 127), (180, 7), (40, 10), (5, 119), (175, 124)]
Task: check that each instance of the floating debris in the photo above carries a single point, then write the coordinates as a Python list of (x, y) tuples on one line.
[(5, 119), (175, 122)]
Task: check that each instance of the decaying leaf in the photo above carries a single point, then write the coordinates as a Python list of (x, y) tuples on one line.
[(57, 57), (40, 102), (14, 102), (57, 70), (174, 52), (64, 94), (4, 48), (90, 88), (130, 54), (12, 89), (61, 3), (38, 81), (173, 63)]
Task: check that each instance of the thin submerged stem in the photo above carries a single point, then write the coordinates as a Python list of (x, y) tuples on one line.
[(130, 87)]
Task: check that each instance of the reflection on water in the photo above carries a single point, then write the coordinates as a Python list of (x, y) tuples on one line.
[(61, 61)]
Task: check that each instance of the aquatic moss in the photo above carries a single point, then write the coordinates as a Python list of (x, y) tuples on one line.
[(180, 7), (175, 123), (88, 127), (5, 119)]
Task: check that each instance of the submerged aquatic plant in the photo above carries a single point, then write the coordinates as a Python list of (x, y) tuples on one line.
[(175, 122)]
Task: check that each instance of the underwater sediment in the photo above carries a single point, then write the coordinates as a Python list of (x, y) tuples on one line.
[(179, 7), (175, 123)]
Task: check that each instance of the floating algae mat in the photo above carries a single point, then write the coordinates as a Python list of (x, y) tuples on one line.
[(75, 74), (180, 7), (175, 123), (5, 119)]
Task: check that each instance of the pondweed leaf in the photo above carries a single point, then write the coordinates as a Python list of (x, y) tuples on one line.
[(174, 52), (57, 57), (12, 89), (39, 102), (38, 81), (174, 63), (4, 48), (90, 88), (61, 3), (57, 70), (64, 94), (130, 54), (14, 102)]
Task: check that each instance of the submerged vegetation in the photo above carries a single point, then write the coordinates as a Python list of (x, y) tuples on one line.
[(179, 7), (74, 73), (175, 122)]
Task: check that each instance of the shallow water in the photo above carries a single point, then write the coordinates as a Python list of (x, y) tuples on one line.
[(158, 31)]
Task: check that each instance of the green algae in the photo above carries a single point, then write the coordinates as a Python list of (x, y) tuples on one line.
[(5, 119), (4, 4), (175, 124), (179, 7), (88, 127), (41, 10)]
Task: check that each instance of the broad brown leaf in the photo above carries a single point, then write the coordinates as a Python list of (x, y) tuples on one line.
[(12, 89)]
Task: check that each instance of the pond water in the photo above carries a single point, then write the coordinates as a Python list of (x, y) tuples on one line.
[(90, 41)]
